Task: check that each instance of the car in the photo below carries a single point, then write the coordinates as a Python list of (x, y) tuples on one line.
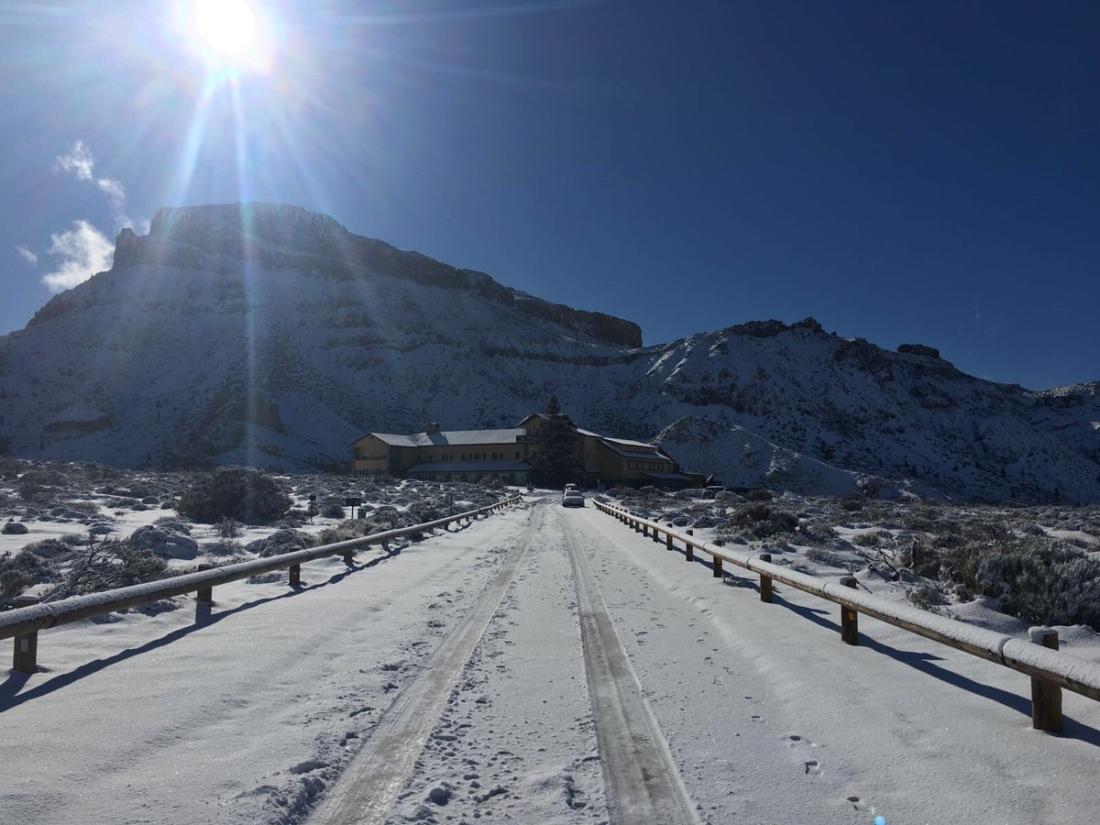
[(572, 498)]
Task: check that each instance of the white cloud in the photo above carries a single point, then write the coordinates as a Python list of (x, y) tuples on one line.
[(27, 255), (81, 252), (78, 161), (116, 194)]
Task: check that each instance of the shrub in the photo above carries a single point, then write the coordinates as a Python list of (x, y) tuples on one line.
[(13, 582), (111, 563), (762, 521), (51, 548), (920, 559), (19, 572), (332, 508), (926, 596), (228, 529), (223, 548), (244, 495), (349, 529), (867, 539), (823, 556), (281, 541), (759, 495), (851, 505), (1056, 585)]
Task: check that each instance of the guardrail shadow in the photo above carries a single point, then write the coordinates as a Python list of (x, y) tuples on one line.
[(11, 695)]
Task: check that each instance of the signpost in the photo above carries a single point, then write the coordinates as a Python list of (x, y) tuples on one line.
[(353, 502)]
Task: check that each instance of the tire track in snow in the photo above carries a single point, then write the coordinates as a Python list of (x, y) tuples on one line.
[(368, 788), (642, 781)]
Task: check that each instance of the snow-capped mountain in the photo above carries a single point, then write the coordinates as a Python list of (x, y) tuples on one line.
[(270, 335)]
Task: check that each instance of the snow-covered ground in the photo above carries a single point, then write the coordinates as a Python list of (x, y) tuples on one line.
[(262, 713)]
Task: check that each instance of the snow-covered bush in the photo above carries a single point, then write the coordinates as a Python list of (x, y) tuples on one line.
[(762, 521), (823, 556), (223, 547), (926, 596), (1055, 585), (332, 508), (279, 542), (20, 571), (108, 564), (52, 548), (245, 495)]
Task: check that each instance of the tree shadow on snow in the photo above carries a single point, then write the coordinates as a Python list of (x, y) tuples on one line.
[(925, 662), (205, 617)]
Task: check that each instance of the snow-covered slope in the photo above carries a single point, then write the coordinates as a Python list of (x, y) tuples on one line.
[(270, 335)]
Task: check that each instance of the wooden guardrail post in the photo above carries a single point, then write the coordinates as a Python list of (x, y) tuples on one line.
[(656, 537), (349, 556), (645, 530), (295, 571), (689, 548), (765, 581), (26, 653), (849, 616), (1046, 698), (668, 540), (716, 566), (205, 595)]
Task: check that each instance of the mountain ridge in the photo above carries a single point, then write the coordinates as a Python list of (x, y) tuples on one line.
[(271, 335), (222, 235)]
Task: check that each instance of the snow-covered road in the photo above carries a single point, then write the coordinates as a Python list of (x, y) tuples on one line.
[(484, 653)]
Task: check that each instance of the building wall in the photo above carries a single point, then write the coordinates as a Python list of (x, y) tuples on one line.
[(616, 467), (596, 460), (371, 455)]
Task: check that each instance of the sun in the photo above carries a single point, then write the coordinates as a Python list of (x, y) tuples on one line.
[(227, 34)]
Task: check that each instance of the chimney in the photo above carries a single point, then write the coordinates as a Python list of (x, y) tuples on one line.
[(432, 428)]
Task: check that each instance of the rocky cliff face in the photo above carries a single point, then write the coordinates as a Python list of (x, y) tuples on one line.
[(279, 237), (270, 335)]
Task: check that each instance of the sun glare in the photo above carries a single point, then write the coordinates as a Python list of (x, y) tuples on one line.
[(227, 34)]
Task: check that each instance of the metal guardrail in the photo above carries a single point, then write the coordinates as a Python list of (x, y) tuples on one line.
[(1050, 670), (23, 624)]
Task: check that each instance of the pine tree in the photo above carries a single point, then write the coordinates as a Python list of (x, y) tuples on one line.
[(556, 462)]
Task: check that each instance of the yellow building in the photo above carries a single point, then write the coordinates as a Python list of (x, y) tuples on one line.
[(509, 454)]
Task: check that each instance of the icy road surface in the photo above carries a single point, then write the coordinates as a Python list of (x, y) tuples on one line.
[(456, 681)]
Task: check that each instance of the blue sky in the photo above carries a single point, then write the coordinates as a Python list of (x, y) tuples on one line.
[(925, 172)]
